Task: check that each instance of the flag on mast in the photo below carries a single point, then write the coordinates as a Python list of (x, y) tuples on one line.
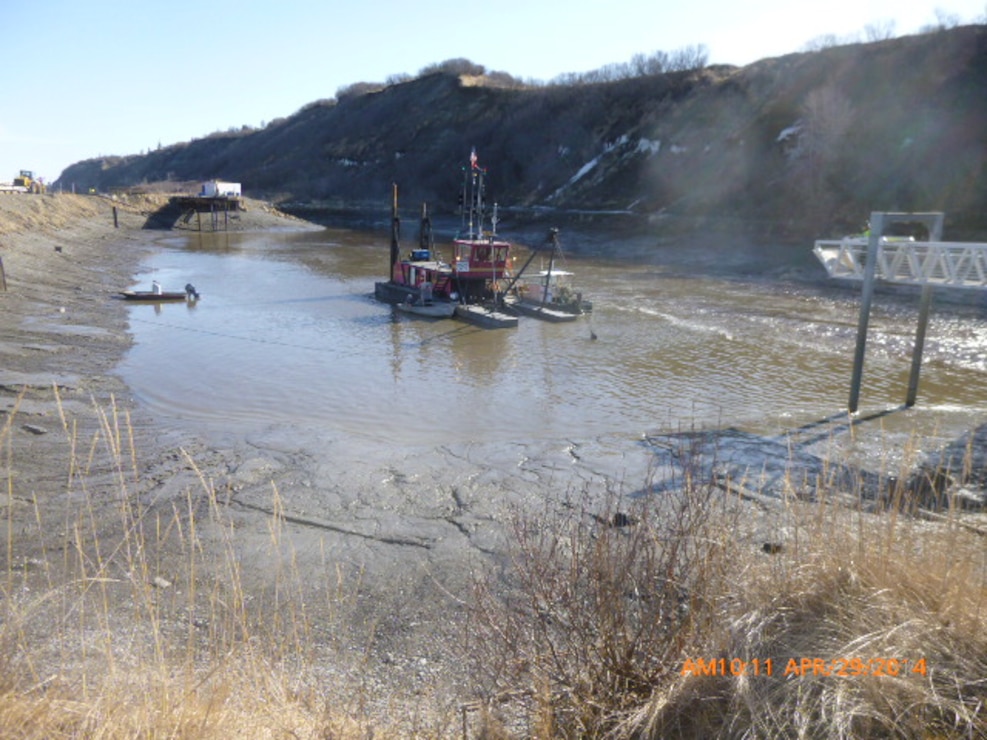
[(473, 164)]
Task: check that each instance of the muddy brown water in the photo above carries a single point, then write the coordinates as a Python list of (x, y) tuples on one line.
[(287, 340)]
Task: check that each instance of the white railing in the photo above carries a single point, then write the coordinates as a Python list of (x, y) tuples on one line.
[(952, 264)]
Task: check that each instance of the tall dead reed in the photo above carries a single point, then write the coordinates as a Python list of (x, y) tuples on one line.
[(123, 617), (673, 619)]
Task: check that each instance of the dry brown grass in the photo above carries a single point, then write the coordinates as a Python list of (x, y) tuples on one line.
[(138, 624), (30, 213), (870, 625), (891, 615), (130, 620)]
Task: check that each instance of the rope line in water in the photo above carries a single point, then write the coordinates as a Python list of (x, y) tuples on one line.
[(256, 340), (277, 343)]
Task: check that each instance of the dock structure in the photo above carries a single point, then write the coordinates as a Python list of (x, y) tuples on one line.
[(193, 206), (928, 264), (944, 264)]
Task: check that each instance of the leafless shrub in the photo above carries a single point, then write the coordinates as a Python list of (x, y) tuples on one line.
[(599, 606), (827, 41), (357, 89), (654, 64), (320, 103), (871, 626), (669, 620), (459, 66), (659, 62), (944, 21), (688, 58), (879, 30)]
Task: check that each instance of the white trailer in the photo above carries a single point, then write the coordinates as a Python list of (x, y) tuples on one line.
[(220, 189)]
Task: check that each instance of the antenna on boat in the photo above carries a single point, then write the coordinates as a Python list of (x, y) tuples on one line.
[(395, 228), (476, 215), (425, 238), (479, 203), (473, 204)]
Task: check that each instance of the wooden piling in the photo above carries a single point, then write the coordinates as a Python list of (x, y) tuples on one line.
[(3, 276), (116, 223)]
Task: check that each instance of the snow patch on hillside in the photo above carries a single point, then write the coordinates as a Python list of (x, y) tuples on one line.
[(646, 147)]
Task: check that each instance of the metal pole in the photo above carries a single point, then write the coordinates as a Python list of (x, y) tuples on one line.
[(876, 228), (923, 322), (395, 231), (551, 264), (934, 224)]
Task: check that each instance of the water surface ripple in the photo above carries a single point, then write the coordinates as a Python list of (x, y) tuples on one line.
[(287, 333)]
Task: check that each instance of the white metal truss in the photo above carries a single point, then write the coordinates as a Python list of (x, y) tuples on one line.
[(901, 260)]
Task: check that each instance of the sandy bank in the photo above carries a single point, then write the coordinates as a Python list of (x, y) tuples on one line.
[(64, 261), (77, 448), (379, 549)]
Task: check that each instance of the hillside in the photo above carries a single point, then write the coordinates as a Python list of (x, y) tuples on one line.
[(795, 147)]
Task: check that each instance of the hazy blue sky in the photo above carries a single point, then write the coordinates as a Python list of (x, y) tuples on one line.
[(83, 78)]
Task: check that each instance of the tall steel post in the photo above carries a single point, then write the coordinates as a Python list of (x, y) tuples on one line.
[(923, 321), (933, 222), (878, 222), (867, 295)]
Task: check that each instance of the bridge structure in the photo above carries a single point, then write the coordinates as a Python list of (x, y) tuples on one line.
[(929, 264)]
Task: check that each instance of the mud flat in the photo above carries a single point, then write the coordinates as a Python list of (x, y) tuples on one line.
[(381, 547), (385, 547)]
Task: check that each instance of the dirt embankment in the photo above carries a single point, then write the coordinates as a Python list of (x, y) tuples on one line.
[(82, 461), (64, 258)]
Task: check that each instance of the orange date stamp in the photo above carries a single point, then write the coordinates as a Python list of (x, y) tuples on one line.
[(804, 666)]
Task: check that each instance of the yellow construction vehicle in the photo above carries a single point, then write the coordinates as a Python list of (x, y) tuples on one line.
[(26, 180)]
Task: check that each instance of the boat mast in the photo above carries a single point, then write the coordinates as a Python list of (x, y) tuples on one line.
[(473, 187), (493, 256), (476, 204), (395, 230), (425, 238)]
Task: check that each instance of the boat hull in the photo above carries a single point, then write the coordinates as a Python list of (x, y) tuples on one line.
[(545, 313), (391, 292), (486, 317), (434, 310), (149, 296)]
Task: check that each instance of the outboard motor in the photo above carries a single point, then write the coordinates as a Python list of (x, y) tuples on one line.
[(190, 292)]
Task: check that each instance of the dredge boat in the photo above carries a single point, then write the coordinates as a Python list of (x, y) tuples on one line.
[(470, 283), (547, 294)]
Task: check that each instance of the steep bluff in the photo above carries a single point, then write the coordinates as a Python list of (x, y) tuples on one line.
[(787, 148)]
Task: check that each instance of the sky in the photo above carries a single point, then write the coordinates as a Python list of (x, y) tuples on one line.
[(82, 79)]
